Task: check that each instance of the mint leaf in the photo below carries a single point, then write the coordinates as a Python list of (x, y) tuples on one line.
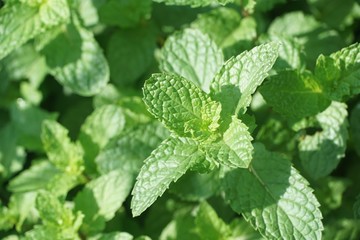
[(235, 148), (209, 225), (24, 115), (128, 150), (133, 49), (12, 156), (227, 29), (347, 60), (20, 22), (102, 197), (194, 3), (321, 153), (51, 211), (166, 164), (294, 95), (274, 198), (125, 13), (239, 77), (76, 60), (181, 106), (316, 37), (194, 186), (192, 55), (103, 124), (355, 126), (64, 154), (34, 178)]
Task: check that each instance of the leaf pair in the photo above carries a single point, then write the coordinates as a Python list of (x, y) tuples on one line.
[(202, 136)]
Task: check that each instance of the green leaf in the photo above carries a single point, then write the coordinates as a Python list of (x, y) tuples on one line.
[(76, 60), (64, 154), (34, 178), (342, 229), (166, 164), (130, 53), (274, 198), (192, 55), (240, 76), (52, 211), (102, 197), (125, 13), (103, 124), (354, 127), (115, 236), (291, 55), (227, 29), (266, 5), (194, 3), (294, 95), (347, 62), (194, 186), (27, 120), (12, 156), (20, 22), (317, 38), (235, 148), (128, 150), (321, 153), (209, 225), (181, 106)]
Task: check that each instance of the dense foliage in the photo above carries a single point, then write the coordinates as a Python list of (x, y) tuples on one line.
[(179, 119)]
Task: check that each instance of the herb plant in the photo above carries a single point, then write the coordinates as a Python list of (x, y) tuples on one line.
[(179, 119)]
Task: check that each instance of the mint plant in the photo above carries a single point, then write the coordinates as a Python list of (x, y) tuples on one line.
[(179, 119)]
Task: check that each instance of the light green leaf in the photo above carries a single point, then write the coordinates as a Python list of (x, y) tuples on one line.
[(27, 120), (102, 197), (342, 229), (125, 13), (294, 95), (240, 76), (348, 61), (128, 150), (194, 3), (12, 156), (115, 236), (52, 211), (227, 29), (166, 164), (88, 11), (235, 148), (321, 153), (76, 60), (20, 22), (103, 124), (316, 37), (181, 106), (64, 154), (192, 55), (274, 198), (130, 53), (209, 225), (291, 55), (34, 178)]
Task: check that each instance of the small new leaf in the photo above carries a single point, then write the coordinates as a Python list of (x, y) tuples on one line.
[(166, 164), (181, 106), (235, 148)]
